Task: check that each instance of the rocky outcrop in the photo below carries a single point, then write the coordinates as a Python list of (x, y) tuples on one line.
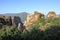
[(32, 18), (16, 22), (2, 21), (51, 14), (8, 20)]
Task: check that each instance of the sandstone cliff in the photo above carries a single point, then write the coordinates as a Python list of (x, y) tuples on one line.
[(16, 22), (31, 18)]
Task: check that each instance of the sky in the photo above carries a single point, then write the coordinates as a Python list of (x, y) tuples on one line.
[(17, 6)]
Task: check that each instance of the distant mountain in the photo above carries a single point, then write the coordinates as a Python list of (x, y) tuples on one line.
[(23, 15)]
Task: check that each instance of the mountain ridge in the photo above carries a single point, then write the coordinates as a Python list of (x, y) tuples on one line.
[(22, 15)]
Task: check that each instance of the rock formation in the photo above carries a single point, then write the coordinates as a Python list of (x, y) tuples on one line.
[(8, 20), (32, 18), (16, 22), (51, 14), (2, 21)]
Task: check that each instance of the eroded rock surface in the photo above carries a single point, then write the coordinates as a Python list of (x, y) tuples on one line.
[(16, 22), (31, 18)]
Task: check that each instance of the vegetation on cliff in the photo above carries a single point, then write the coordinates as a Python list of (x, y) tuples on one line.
[(43, 29), (39, 28)]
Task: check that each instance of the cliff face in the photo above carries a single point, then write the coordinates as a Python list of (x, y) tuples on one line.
[(2, 20), (8, 20), (16, 22), (32, 18)]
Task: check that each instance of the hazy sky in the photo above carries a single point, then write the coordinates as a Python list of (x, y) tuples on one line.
[(16, 6)]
